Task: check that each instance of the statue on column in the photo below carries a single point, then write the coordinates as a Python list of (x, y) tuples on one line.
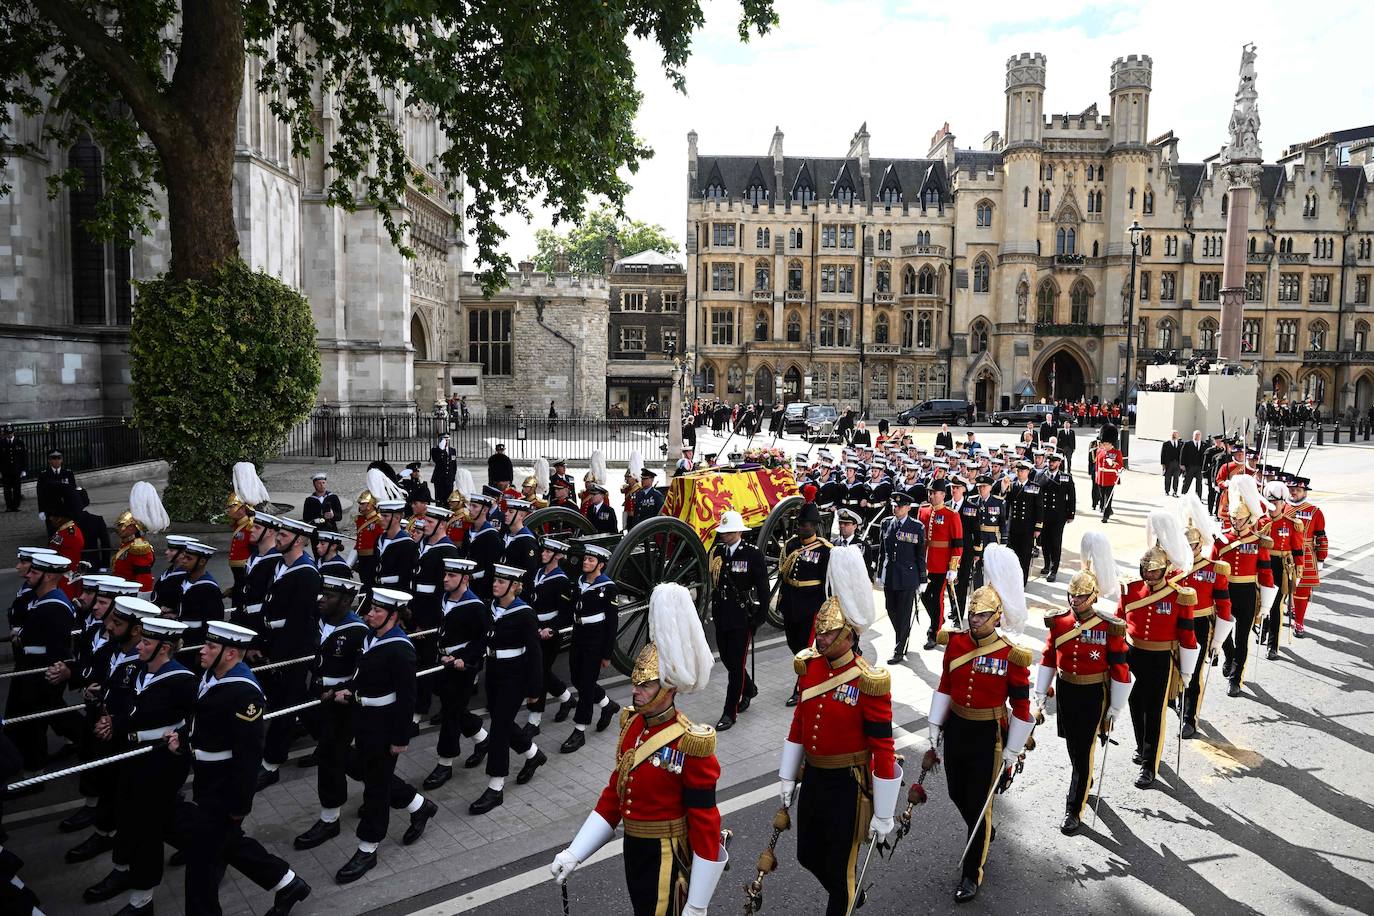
[(1245, 120)]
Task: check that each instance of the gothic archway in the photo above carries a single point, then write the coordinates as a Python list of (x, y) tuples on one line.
[(1364, 394), (419, 338), (763, 385), (792, 385), (1062, 375)]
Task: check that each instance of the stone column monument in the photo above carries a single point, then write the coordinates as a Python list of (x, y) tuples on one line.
[(1240, 165)]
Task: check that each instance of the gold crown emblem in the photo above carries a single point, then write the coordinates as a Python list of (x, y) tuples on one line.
[(1154, 559), (646, 665), (830, 617)]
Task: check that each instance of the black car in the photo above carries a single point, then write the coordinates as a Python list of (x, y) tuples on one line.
[(817, 417), (945, 410), (794, 417), (1026, 413)]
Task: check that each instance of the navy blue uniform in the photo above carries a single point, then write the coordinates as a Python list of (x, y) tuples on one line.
[(336, 665), (648, 503), (904, 571), (553, 607), (594, 629), (514, 673), (384, 703), (463, 636)]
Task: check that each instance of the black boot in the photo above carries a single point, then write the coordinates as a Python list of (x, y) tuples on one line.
[(743, 704), (1054, 573), (108, 887), (319, 833), (490, 798), (725, 724), (1272, 654), (751, 689), (930, 641), (1234, 690), (1145, 779), (83, 818), (90, 847), (438, 776), (311, 759), (1071, 824), (1189, 729), (267, 778), (289, 896), (129, 909), (793, 699), (527, 771), (607, 714), (418, 820), (356, 867), (574, 742), (966, 891), (479, 753), (565, 709)]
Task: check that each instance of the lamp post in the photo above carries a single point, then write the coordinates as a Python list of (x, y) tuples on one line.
[(1129, 377)]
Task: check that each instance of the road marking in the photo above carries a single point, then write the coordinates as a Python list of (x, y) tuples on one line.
[(499, 890)]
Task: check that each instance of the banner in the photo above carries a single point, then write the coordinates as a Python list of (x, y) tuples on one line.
[(699, 498)]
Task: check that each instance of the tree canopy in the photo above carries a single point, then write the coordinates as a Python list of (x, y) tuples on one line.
[(586, 243)]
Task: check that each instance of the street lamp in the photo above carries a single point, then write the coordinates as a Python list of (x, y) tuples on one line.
[(1129, 377)]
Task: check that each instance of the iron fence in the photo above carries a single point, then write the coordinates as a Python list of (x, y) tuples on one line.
[(403, 435), (86, 444)]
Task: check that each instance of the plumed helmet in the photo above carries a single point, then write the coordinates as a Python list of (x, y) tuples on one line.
[(851, 592), (1200, 528), (541, 473), (1244, 500), (1098, 575), (1166, 544), (1004, 594), (597, 468), (677, 653), (146, 509), (248, 486)]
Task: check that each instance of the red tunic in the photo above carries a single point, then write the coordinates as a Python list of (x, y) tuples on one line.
[(1315, 547), (990, 674), (944, 538), (675, 782), (369, 530), (1211, 579), (239, 548), (1286, 535), (1108, 465), (133, 561), (1158, 618), (1090, 655), (850, 718), (69, 542), (1248, 557)]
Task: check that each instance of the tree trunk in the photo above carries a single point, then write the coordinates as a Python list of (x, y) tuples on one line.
[(200, 206)]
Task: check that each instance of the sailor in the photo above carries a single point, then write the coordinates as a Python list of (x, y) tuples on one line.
[(426, 609), (397, 551), (44, 641), (258, 574), (167, 586), (663, 787), (484, 545), (202, 600), (328, 547), (322, 507), (552, 597), (519, 545), (462, 651), (801, 575), (593, 641)]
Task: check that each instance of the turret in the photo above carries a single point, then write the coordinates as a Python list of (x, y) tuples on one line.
[(1025, 99), (1131, 99)]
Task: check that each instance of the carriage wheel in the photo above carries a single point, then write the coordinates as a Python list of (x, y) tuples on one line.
[(771, 538), (556, 520), (657, 550)]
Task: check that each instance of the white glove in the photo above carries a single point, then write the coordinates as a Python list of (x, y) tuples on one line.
[(934, 733), (880, 827), (1009, 757), (594, 834), (1040, 699), (564, 864), (1321, 564), (921, 589), (785, 789), (952, 575), (1110, 718)]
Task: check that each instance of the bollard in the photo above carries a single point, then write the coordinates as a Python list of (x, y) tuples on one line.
[(1302, 436), (1366, 430), (1335, 435), (1283, 438), (1320, 434)]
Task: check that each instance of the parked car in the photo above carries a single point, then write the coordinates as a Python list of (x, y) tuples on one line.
[(944, 410), (794, 417), (1026, 413), (818, 417)]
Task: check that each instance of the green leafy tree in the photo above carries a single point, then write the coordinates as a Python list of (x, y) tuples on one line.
[(586, 243), (537, 100)]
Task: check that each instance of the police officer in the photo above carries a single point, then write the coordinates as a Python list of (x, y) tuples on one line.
[(552, 597), (55, 484), (514, 674), (593, 641), (462, 650), (14, 467), (739, 591), (328, 546), (44, 640), (903, 569), (426, 609), (224, 741), (1058, 507), (336, 663), (383, 698), (648, 498), (322, 507), (1021, 519), (801, 577)]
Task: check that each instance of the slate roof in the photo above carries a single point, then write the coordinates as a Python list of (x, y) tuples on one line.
[(737, 173)]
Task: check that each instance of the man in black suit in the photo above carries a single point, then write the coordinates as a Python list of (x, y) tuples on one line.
[(1067, 442), (1046, 431), (1169, 454), (14, 467), (944, 438), (1191, 457), (55, 486), (445, 459), (500, 471)]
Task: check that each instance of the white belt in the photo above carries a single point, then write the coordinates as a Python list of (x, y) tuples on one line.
[(453, 650), (545, 618), (154, 734), (426, 589), (35, 650), (212, 756), (253, 608), (334, 681), (388, 580), (593, 618), (378, 701), (276, 624), (506, 653)]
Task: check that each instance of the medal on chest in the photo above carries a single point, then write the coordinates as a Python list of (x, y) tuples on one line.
[(669, 759), (990, 664), (846, 693)]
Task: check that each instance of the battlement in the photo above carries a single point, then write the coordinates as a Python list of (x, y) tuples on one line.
[(1026, 69), (1087, 121), (559, 284), (1132, 72)]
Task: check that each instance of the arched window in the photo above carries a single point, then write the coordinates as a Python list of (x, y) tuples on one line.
[(1314, 387), (1207, 334), (1145, 245), (1252, 244), (1025, 202), (1316, 335), (883, 277), (851, 381), (1092, 202), (1142, 334), (92, 293), (734, 380), (761, 325), (925, 282), (884, 239), (1130, 199), (762, 238), (794, 276), (982, 274), (1361, 336), (908, 281), (708, 379), (794, 238), (1044, 303), (978, 337), (763, 275), (908, 329), (906, 386), (1166, 334), (1148, 202), (1082, 300), (1099, 173), (882, 328), (756, 194), (794, 327), (890, 196), (1225, 203), (925, 330), (984, 213), (1065, 240), (923, 238), (844, 329)]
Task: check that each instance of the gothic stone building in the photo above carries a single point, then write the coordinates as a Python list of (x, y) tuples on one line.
[(1001, 275)]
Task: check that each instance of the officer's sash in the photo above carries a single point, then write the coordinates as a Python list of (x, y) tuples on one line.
[(844, 677), (1153, 596), (629, 762), (1236, 542), (967, 657), (1077, 630)]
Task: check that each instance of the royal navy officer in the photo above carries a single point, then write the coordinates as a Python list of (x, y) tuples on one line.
[(903, 570), (648, 499), (739, 593)]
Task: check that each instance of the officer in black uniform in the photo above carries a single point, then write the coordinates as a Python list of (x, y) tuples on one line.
[(599, 511), (903, 569), (397, 551), (14, 467), (445, 460), (54, 486), (1021, 521), (801, 576), (739, 596), (336, 663), (967, 507), (559, 476), (1058, 506), (462, 650), (552, 597), (383, 699), (648, 498), (328, 547), (426, 609), (224, 741), (514, 674), (484, 544), (986, 529), (322, 508), (594, 628), (849, 521)]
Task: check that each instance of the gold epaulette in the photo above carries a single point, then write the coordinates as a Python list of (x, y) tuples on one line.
[(700, 739), (626, 714), (1050, 617), (1020, 655), (803, 658), (942, 638), (876, 682), (1297, 523), (140, 548), (1116, 627), (1187, 597), (1221, 567)]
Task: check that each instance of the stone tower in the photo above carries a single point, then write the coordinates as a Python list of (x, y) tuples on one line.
[(1127, 179), (1131, 99), (1021, 157), (1025, 99)]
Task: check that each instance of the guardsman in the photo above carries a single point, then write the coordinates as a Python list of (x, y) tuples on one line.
[(801, 577), (289, 613), (370, 527), (202, 600), (903, 569), (258, 574), (426, 609), (1085, 663), (1158, 609), (519, 546), (336, 664), (663, 787), (983, 672), (514, 673), (147, 785), (552, 598), (595, 623), (224, 740), (1021, 517), (462, 650), (944, 547), (484, 545), (167, 586), (599, 510), (1058, 508), (1108, 464), (328, 547), (240, 543), (648, 499), (842, 729), (133, 560), (1286, 558), (739, 594), (1251, 582), (1314, 556), (44, 641), (383, 698), (397, 551), (1211, 579)]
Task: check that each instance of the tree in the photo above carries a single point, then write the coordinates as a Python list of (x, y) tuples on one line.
[(586, 243)]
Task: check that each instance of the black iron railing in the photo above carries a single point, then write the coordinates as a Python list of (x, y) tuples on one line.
[(86, 443)]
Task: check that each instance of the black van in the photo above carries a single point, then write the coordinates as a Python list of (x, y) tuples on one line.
[(945, 410)]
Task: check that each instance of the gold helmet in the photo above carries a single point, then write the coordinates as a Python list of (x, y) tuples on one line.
[(1097, 578), (850, 605), (1004, 595), (1168, 545), (677, 654), (232, 502), (530, 481), (1243, 500), (830, 617), (1154, 559), (458, 504), (126, 518), (646, 665), (366, 500)]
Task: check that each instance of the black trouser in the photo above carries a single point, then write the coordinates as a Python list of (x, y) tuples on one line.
[(967, 562), (102, 784), (1192, 479), (334, 726), (1273, 621), (553, 684), (584, 667), (973, 754), (1105, 495), (211, 840), (284, 687), (933, 598), (1193, 692), (901, 605), (1153, 670), (505, 693), (654, 869), (799, 607), (146, 800), (443, 488), (1244, 607), (1052, 541), (733, 643), (32, 693), (1097, 490), (1022, 543), (426, 656), (14, 495), (833, 812), (382, 788), (1211, 496), (1079, 718), (455, 692), (1171, 472)]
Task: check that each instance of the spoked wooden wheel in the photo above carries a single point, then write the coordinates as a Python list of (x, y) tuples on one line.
[(558, 520), (657, 550), (771, 538)]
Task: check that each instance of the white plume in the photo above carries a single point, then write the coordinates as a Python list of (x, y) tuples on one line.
[(597, 466), (462, 479), (1002, 571), (1193, 510), (1244, 488), (1276, 491), (383, 487), (248, 485), (684, 656), (1096, 551), (847, 579), (1163, 527), (147, 509), (541, 474), (636, 464)]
